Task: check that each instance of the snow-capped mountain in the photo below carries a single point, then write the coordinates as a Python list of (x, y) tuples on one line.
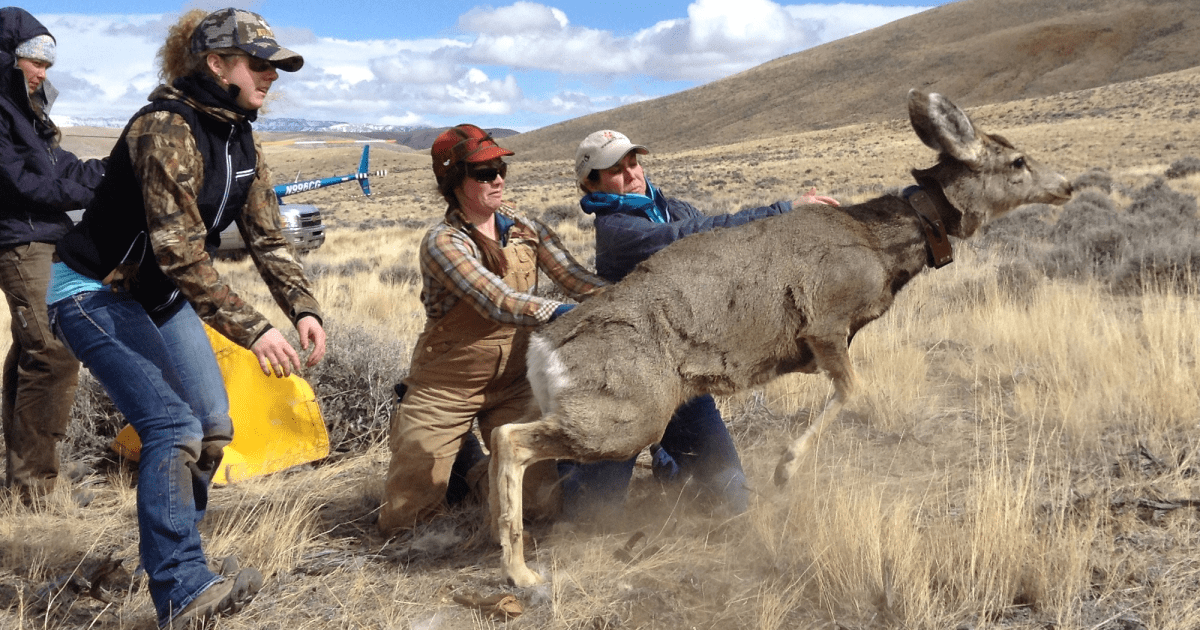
[(88, 121), (300, 124), (262, 124)]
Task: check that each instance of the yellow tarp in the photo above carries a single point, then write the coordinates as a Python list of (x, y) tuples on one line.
[(277, 423)]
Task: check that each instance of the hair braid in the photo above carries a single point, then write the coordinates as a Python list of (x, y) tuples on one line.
[(489, 250)]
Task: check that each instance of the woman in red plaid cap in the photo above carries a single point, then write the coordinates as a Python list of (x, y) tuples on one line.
[(479, 269)]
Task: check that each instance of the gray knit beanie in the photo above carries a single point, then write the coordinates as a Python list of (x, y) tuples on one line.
[(40, 48)]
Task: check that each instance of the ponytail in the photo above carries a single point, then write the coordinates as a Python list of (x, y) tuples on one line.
[(176, 58), (490, 251)]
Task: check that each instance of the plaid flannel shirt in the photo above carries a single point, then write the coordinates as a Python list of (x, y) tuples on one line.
[(451, 270)]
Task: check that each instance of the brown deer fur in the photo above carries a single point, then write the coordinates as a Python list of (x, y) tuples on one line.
[(731, 309)]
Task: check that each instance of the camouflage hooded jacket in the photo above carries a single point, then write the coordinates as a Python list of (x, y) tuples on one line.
[(186, 167)]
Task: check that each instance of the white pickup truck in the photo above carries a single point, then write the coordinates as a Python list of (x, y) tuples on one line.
[(302, 223)]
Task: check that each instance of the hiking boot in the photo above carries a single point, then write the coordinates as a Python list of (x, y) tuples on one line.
[(226, 597), (462, 477)]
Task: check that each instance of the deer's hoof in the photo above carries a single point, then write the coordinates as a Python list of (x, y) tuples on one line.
[(785, 469), (523, 577)]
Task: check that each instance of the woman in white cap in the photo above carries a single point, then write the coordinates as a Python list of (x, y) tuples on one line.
[(39, 183), (634, 220), (136, 278)]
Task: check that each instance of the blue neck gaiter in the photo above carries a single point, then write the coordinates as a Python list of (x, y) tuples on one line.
[(653, 206)]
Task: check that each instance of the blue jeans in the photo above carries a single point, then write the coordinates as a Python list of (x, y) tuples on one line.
[(162, 375), (696, 438)]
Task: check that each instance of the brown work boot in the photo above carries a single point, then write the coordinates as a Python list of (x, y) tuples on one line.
[(228, 596)]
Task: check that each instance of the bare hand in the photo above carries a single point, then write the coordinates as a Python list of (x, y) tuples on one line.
[(311, 332), (812, 197), (275, 355)]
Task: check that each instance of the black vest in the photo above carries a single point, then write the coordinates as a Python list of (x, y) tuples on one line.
[(113, 232)]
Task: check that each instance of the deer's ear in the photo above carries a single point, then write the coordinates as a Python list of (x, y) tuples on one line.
[(942, 126)]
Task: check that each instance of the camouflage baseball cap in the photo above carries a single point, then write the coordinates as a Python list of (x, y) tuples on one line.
[(246, 31)]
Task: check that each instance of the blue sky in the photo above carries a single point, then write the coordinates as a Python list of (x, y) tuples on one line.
[(520, 65)]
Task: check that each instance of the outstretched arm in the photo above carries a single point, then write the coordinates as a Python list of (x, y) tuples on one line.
[(624, 240), (811, 197), (63, 182)]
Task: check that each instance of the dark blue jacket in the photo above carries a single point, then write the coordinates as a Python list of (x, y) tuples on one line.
[(625, 239), (39, 181)]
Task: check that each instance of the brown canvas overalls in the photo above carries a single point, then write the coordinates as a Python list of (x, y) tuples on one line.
[(465, 367)]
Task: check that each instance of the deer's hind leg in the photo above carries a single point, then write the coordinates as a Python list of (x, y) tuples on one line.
[(516, 446), (834, 358)]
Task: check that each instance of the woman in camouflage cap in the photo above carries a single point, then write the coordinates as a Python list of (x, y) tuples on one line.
[(136, 278)]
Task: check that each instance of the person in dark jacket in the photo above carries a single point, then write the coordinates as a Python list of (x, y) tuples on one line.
[(39, 183), (136, 279), (634, 220)]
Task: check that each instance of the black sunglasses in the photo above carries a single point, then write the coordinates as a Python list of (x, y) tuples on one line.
[(255, 64), (488, 175)]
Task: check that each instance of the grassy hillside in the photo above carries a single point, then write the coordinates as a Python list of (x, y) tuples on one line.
[(979, 51)]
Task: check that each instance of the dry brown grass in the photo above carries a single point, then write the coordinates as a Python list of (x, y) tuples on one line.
[(1018, 458)]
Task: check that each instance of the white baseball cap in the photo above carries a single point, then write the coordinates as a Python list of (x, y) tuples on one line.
[(601, 150)]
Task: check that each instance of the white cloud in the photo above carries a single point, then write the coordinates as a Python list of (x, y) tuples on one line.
[(358, 60), (725, 24), (525, 59), (408, 67), (525, 17), (475, 93), (575, 52), (104, 62), (569, 103), (718, 38)]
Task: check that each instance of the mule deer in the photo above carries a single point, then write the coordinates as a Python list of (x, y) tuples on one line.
[(731, 309)]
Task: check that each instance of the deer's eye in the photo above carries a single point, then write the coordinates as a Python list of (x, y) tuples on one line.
[(1019, 163)]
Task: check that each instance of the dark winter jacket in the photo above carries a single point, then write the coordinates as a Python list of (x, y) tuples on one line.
[(624, 239), (115, 233), (185, 167), (39, 181)]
